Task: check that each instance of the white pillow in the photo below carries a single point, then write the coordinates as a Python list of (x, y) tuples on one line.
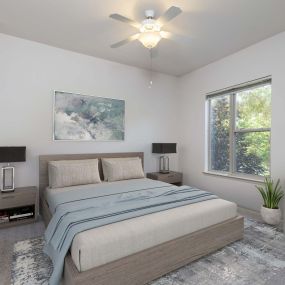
[(65, 173), (115, 169)]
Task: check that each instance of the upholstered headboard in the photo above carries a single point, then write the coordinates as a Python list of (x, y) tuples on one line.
[(44, 160)]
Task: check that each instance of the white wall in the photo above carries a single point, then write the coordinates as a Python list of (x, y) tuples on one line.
[(29, 72), (262, 59)]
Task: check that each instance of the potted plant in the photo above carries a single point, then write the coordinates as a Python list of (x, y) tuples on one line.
[(271, 194)]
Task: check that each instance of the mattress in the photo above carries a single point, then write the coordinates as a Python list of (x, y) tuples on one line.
[(102, 245)]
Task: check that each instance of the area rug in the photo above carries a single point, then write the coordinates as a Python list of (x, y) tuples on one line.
[(258, 259)]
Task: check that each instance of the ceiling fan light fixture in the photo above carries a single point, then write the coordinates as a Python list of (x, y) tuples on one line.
[(149, 25), (150, 39)]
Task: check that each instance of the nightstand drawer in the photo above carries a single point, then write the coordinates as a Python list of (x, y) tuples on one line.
[(171, 177), (14, 200)]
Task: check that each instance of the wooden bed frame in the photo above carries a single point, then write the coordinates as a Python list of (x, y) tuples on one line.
[(147, 265)]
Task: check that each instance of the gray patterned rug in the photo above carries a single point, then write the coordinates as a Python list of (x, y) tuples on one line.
[(258, 259)]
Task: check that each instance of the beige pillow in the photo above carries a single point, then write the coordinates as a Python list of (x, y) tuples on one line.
[(65, 173), (115, 169), (104, 160)]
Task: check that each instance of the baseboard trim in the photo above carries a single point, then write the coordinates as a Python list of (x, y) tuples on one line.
[(255, 215), (249, 213)]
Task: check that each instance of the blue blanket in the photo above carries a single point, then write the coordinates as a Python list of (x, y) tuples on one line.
[(78, 211)]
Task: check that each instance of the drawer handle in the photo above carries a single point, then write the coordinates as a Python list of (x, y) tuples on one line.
[(170, 175), (8, 197)]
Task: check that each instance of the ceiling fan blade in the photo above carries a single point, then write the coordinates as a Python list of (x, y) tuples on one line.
[(126, 41), (123, 19), (174, 37), (171, 13)]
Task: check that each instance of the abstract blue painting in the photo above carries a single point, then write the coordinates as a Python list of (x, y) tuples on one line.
[(82, 117)]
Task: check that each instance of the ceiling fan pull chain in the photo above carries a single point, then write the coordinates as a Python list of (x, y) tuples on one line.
[(150, 54)]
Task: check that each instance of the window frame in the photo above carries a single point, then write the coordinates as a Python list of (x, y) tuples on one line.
[(233, 130)]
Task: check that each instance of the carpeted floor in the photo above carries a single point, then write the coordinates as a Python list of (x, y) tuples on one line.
[(258, 259), (8, 237)]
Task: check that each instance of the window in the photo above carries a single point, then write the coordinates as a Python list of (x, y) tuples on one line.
[(239, 121)]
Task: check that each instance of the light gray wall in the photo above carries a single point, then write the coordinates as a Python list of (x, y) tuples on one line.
[(259, 60), (29, 72)]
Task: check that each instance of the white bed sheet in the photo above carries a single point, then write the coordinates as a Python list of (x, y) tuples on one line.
[(101, 245)]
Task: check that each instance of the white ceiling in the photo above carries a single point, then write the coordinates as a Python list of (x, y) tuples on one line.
[(217, 28)]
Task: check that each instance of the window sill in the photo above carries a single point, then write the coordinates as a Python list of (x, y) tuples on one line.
[(232, 176)]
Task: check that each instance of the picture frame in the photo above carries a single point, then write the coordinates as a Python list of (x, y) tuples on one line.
[(78, 117)]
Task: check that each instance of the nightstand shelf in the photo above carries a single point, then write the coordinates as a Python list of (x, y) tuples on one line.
[(18, 207), (172, 177)]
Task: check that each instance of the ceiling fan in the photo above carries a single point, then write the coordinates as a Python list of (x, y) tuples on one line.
[(150, 32)]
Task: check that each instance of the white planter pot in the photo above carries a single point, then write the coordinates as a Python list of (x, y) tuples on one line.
[(271, 216)]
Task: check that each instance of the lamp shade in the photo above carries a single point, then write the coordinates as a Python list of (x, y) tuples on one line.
[(164, 148), (150, 39), (12, 153)]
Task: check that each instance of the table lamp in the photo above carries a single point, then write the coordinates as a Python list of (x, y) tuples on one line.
[(164, 148), (10, 154)]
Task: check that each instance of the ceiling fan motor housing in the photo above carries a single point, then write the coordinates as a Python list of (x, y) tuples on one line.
[(149, 14), (149, 25)]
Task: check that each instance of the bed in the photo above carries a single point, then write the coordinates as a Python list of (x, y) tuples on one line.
[(150, 245)]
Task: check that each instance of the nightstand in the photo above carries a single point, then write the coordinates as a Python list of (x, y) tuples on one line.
[(18, 207), (172, 177)]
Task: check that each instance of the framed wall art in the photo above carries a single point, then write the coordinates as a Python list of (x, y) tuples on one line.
[(86, 118)]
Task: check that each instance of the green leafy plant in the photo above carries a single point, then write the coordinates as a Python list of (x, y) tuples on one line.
[(271, 193)]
